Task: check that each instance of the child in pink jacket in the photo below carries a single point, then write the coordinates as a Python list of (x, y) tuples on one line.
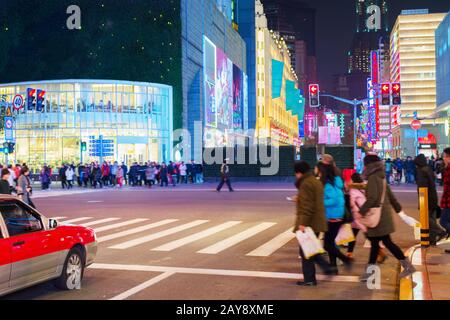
[(357, 199)]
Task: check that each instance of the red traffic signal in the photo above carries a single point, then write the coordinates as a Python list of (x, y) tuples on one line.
[(386, 88), (396, 87), (385, 94), (396, 94), (314, 100), (313, 88)]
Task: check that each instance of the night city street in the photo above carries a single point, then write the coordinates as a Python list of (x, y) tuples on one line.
[(224, 270), (224, 158)]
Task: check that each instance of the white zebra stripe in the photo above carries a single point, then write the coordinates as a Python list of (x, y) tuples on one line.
[(197, 236)]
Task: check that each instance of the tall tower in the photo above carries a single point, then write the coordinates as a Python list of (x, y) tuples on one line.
[(371, 25), (365, 9)]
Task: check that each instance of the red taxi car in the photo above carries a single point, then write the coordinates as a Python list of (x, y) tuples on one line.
[(34, 249)]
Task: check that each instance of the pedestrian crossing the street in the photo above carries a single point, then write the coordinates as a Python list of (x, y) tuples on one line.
[(220, 236)]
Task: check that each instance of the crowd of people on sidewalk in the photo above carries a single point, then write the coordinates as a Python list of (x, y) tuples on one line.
[(113, 174), (16, 180), (404, 170), (325, 203)]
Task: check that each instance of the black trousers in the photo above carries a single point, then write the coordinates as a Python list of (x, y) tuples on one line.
[(391, 246), (330, 245), (222, 182), (309, 268), (351, 245)]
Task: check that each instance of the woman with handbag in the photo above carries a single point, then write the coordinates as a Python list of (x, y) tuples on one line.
[(24, 189), (334, 203), (376, 215), (357, 199)]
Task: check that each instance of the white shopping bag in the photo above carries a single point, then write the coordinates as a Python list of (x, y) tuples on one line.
[(345, 235), (417, 233), (309, 243)]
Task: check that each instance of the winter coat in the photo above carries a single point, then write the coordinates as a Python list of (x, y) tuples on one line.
[(334, 200), (357, 199), (425, 179), (69, 174), (22, 185), (183, 170), (375, 175), (310, 204)]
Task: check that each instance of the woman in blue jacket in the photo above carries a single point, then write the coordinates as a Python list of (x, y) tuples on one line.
[(334, 202)]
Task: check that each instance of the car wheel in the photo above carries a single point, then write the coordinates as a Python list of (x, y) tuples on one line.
[(73, 270)]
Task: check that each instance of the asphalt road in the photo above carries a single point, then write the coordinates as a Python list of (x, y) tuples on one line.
[(194, 243)]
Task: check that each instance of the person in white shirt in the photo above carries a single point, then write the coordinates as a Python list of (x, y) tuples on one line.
[(69, 175), (183, 172), (12, 177)]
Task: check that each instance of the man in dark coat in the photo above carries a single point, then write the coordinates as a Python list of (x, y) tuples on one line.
[(4, 184), (425, 179), (224, 177), (310, 213)]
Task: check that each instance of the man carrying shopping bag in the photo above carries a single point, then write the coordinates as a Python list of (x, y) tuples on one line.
[(310, 213)]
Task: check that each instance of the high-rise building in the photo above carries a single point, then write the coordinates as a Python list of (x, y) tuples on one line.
[(295, 21), (413, 64), (443, 77), (371, 26), (277, 96)]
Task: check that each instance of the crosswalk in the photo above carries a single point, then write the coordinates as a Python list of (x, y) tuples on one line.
[(221, 236)]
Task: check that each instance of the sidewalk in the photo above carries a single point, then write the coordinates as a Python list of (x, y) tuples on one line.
[(432, 279)]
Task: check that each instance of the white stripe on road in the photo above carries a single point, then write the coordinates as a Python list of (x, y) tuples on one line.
[(135, 230), (93, 223), (58, 218), (231, 241), (273, 245), (154, 236), (219, 272), (142, 286), (77, 219), (197, 236), (118, 225)]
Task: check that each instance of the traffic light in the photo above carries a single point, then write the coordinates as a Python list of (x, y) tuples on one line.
[(31, 98), (83, 146), (40, 100), (396, 94), (5, 148), (314, 100), (385, 94), (11, 146)]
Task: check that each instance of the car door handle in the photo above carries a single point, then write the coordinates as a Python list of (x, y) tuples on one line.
[(18, 243)]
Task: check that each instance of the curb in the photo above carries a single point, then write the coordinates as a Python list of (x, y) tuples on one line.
[(417, 286)]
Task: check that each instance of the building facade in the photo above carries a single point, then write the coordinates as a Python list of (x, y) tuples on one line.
[(135, 117), (443, 76), (413, 64), (214, 75), (277, 93)]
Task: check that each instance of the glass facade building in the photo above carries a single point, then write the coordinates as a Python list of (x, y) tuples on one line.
[(136, 117)]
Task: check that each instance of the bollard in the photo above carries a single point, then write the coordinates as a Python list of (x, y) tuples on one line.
[(424, 218)]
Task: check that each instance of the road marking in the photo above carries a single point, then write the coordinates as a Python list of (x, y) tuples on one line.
[(231, 241), (154, 236), (142, 286), (135, 230), (118, 225), (77, 219), (219, 272), (93, 223), (95, 201), (58, 218), (273, 245), (197, 236)]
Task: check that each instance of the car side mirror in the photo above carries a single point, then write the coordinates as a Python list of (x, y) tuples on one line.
[(52, 223)]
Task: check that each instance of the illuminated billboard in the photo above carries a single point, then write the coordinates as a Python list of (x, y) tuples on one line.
[(226, 98), (225, 85)]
